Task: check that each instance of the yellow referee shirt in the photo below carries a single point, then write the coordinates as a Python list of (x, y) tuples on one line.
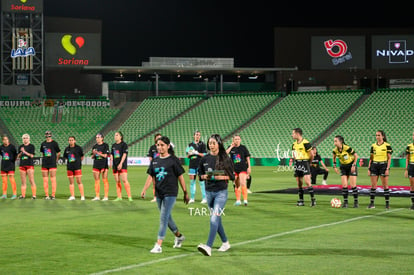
[(410, 152), (346, 155), (301, 151), (380, 152)]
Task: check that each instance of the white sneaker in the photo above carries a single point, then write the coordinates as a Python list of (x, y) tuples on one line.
[(96, 199), (71, 198), (204, 201), (205, 249), (191, 201), (156, 249), (154, 199), (224, 247), (249, 191), (323, 182), (105, 199), (245, 202), (178, 241), (82, 198)]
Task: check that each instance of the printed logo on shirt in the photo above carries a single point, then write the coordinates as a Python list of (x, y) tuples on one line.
[(237, 158), (6, 156), (117, 155), (160, 173), (71, 158), (47, 152), (98, 156)]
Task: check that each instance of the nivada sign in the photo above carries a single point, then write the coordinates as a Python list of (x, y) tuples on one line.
[(22, 6), (342, 52), (393, 51), (72, 49)]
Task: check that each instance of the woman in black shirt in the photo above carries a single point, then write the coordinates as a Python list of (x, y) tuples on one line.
[(26, 167), (100, 154), (74, 156), (8, 157), (166, 170), (216, 168), (119, 154)]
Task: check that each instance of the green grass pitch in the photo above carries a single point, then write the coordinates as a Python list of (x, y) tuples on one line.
[(270, 236)]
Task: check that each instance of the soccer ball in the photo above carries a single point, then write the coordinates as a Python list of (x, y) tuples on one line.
[(336, 203)]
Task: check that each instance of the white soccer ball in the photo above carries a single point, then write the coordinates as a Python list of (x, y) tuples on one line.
[(336, 203)]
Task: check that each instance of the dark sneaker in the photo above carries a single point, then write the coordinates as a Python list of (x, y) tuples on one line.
[(21, 197), (371, 206), (34, 197), (412, 207), (345, 205), (356, 205), (313, 203), (387, 206), (52, 198)]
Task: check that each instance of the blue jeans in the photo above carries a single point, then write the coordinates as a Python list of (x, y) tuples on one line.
[(216, 202), (165, 206)]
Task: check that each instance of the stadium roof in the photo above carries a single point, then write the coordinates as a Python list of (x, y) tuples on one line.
[(180, 70)]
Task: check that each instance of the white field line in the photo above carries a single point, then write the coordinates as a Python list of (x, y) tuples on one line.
[(119, 269)]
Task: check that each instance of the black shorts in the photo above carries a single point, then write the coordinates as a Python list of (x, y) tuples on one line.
[(378, 169), (302, 168), (194, 163), (411, 170), (49, 166), (100, 167), (346, 170)]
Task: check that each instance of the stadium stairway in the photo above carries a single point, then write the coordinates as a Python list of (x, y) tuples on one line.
[(126, 110), (253, 119), (385, 109), (218, 114), (340, 120), (167, 123)]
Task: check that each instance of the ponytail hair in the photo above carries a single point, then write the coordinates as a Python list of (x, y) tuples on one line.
[(383, 135), (340, 138)]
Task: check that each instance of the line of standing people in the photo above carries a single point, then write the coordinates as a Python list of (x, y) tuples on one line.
[(73, 153)]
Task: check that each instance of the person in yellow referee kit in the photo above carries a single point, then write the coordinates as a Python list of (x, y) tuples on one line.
[(303, 155), (348, 160), (409, 170), (379, 167)]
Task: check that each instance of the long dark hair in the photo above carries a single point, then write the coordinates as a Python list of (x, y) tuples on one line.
[(167, 141), (383, 135), (223, 161), (121, 135)]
